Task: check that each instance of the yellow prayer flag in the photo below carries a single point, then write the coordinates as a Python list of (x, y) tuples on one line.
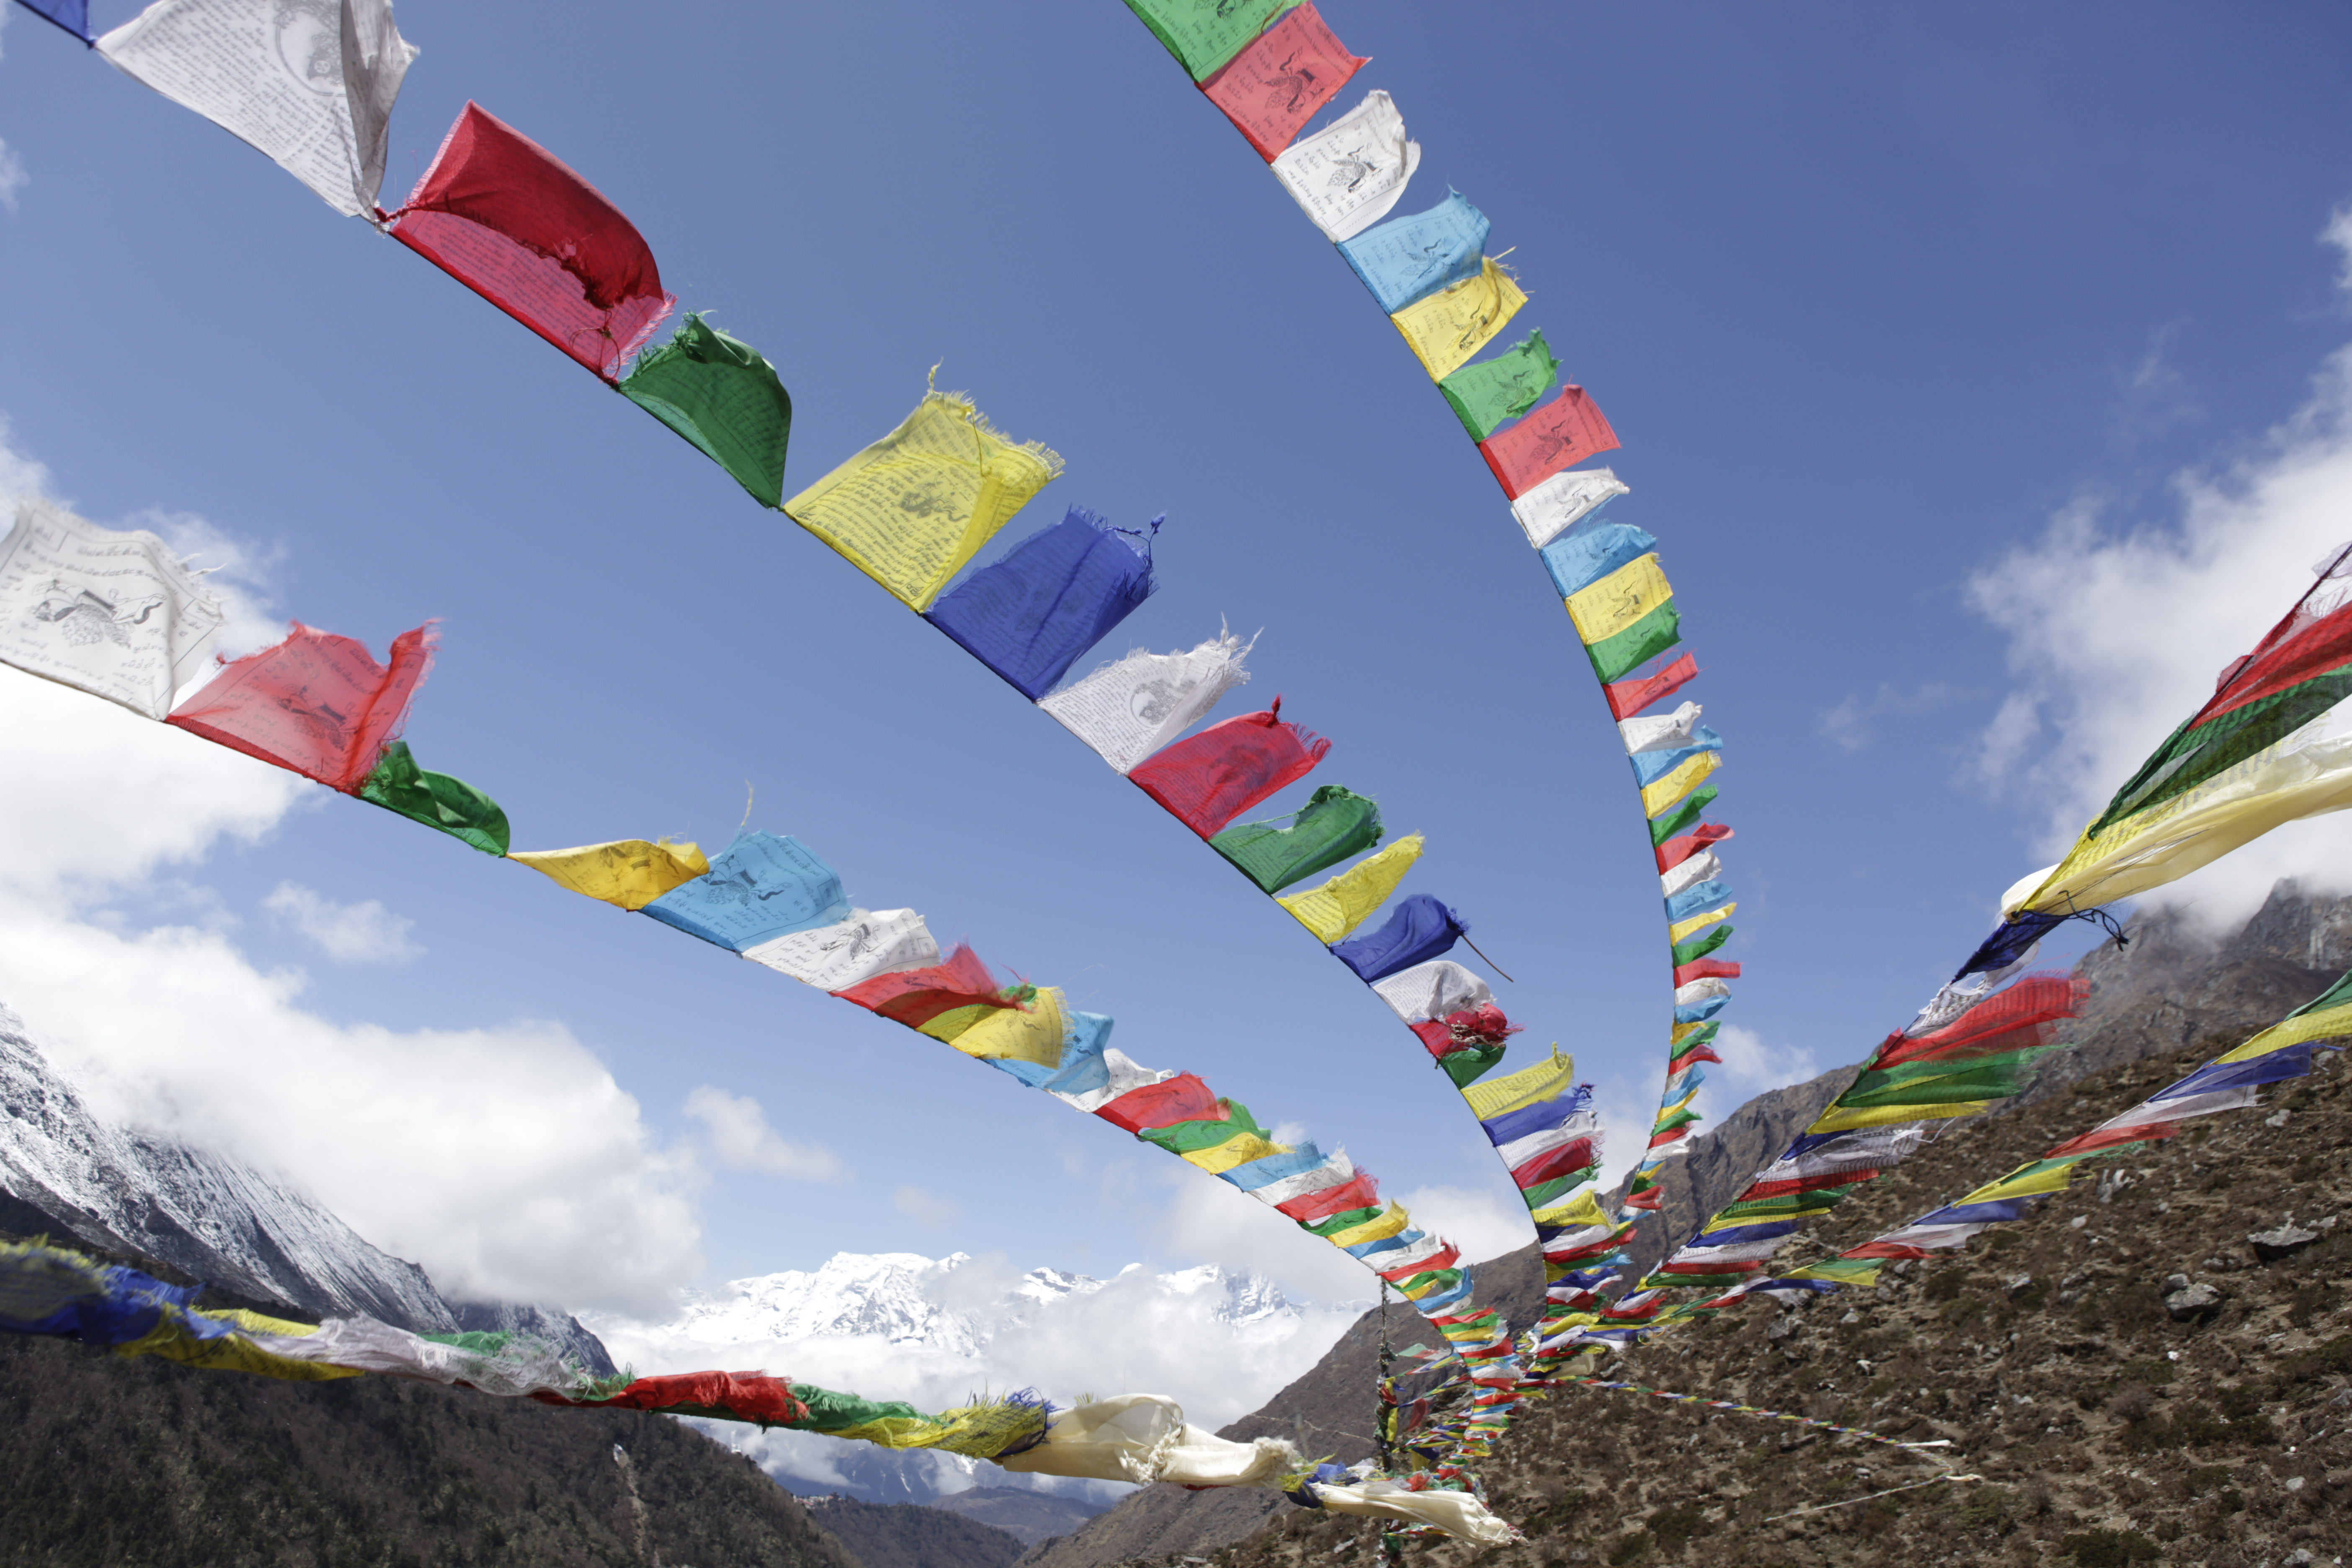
[(911, 508), (1447, 330), (174, 1340), (1343, 904), (2027, 1182), (1497, 1096), (1582, 1209), (1682, 932), (1836, 1121), (1379, 1228), (1236, 1150), (1031, 1034), (2294, 1032), (629, 872), (1618, 600), (1660, 794)]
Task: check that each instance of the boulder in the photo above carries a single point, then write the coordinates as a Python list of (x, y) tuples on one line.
[(2194, 1303), (2270, 1246)]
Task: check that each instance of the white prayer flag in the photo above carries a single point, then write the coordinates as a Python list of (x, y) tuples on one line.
[(836, 957), (112, 613), (1433, 990), (1546, 511), (1700, 867), (1128, 710), (1348, 176), (1664, 733), (309, 82)]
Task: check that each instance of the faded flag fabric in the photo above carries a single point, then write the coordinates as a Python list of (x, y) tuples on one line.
[(1347, 175), (1204, 34), (311, 84), (1133, 707), (912, 508), (759, 888), (1275, 86), (1561, 500), (115, 614), (1409, 258), (1484, 395), (315, 704), (507, 218), (1446, 330), (1559, 434), (835, 957)]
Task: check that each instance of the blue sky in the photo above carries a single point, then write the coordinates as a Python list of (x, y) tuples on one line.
[(1877, 298)]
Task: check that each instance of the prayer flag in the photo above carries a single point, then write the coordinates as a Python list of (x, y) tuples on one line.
[(1204, 34), (1407, 257), (112, 613), (1484, 395), (1627, 698), (758, 888), (1590, 550), (1032, 615), (315, 704), (1341, 904), (627, 872), (719, 394), (1132, 706), (1418, 930), (912, 508), (1334, 824), (1183, 1098), (916, 996), (73, 16), (449, 805), (1433, 990), (1347, 175), (1446, 330), (1619, 602), (1559, 434), (1031, 1032), (1275, 85), (1206, 780), (847, 953), (504, 217), (310, 85), (1557, 504)]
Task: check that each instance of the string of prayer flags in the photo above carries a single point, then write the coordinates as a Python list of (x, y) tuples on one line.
[(1419, 929), (1205, 780), (759, 888), (1131, 708), (1559, 434), (112, 612), (912, 508), (1033, 614), (315, 704), (504, 217), (1281, 79), (2262, 752), (628, 872), (1349, 174), (1562, 500), (1204, 34), (839, 956), (1485, 396), (725, 400), (310, 86), (1408, 258), (1347, 900), (446, 804), (1446, 330), (1334, 824), (73, 16)]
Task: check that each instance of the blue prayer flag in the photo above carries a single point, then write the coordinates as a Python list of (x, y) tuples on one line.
[(1032, 615), (1590, 550), (1696, 899), (1419, 929), (759, 886), (1648, 767), (1407, 258), (73, 16), (1542, 1116)]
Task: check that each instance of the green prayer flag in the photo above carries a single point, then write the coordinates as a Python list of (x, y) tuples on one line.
[(1682, 816), (1204, 34), (436, 800), (1348, 1221), (1543, 1195), (722, 395), (1939, 1083), (1616, 657), (1192, 1137), (1486, 393), (1698, 947), (829, 1411), (1468, 1064), (1333, 824)]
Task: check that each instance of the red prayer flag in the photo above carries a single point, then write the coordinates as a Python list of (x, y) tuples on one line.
[(1652, 1199), (2288, 655), (2108, 1137), (1704, 969), (1361, 1193), (1694, 1056), (916, 996), (1559, 434), (510, 221), (1206, 780), (1573, 1155), (1674, 851), (2014, 1020), (1445, 1256), (1889, 1249), (1183, 1098), (1760, 1189), (315, 704), (1273, 88), (1627, 698)]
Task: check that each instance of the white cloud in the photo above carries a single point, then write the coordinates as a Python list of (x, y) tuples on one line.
[(504, 1158), (19, 475), (2117, 632), (926, 1207), (1483, 1222), (364, 933), (1750, 1066), (742, 1140), (13, 178)]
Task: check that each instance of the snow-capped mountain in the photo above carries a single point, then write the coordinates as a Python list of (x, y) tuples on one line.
[(63, 1169), (934, 1332)]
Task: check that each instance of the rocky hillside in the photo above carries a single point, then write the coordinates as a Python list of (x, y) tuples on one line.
[(2166, 1002), (111, 1461), (1030, 1516), (912, 1535)]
